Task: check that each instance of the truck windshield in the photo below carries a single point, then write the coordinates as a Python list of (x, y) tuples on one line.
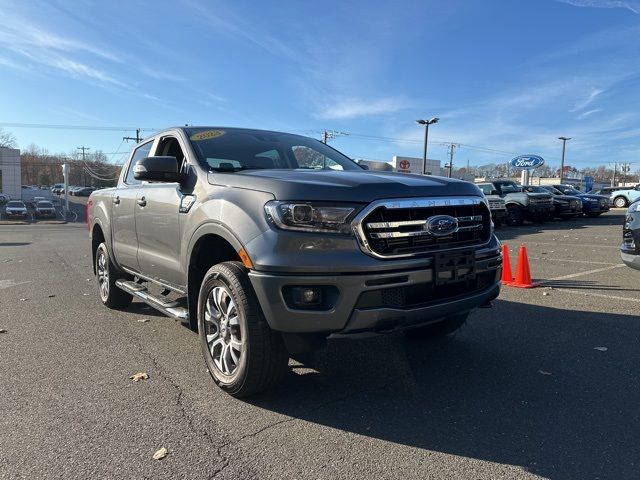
[(231, 150)]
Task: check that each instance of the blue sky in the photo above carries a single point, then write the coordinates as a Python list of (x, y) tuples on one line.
[(507, 75)]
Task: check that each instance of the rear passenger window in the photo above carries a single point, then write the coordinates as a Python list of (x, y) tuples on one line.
[(141, 152)]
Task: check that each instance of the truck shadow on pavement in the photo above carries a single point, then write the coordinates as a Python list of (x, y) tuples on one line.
[(553, 391)]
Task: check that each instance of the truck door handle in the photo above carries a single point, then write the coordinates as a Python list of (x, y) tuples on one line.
[(116, 200), (141, 201)]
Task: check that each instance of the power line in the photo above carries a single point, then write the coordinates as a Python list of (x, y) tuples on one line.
[(76, 127)]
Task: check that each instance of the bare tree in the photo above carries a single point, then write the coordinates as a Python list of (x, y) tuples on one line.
[(7, 139)]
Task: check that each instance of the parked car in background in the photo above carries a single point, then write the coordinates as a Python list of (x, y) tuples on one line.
[(57, 188), (497, 205), (592, 205), (520, 205), (621, 197), (630, 247), (45, 208), (4, 198), (84, 191), (566, 206), (16, 208)]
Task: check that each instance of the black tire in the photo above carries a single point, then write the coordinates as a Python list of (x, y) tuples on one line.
[(109, 293), (620, 202), (515, 216), (594, 215), (497, 223), (263, 358), (440, 329)]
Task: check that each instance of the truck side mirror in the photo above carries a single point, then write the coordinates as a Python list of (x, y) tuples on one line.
[(158, 169)]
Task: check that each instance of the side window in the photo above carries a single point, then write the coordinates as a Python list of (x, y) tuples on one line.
[(141, 152), (312, 159), (486, 189)]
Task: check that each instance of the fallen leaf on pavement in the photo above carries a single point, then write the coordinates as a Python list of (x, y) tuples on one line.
[(51, 296), (136, 377), (601, 349), (543, 372), (24, 299), (160, 454), (143, 320), (2, 330)]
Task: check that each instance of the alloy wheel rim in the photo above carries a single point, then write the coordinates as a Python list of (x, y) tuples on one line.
[(103, 275), (225, 340)]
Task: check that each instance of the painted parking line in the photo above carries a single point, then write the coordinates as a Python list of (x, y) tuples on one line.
[(561, 260), (582, 245), (599, 295), (588, 272)]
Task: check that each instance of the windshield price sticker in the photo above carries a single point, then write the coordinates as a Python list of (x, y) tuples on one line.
[(207, 135)]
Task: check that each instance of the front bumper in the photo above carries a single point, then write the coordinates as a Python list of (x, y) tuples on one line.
[(16, 214), (534, 211), (630, 247), (373, 302), (564, 210), (588, 207)]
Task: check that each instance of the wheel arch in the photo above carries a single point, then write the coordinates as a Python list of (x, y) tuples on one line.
[(210, 245)]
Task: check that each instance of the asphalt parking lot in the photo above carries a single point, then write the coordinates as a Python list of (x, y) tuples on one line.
[(543, 385)]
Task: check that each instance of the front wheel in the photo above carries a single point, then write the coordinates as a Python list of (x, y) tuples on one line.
[(439, 329), (243, 355), (515, 217)]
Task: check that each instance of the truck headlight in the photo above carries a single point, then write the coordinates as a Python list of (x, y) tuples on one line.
[(311, 216)]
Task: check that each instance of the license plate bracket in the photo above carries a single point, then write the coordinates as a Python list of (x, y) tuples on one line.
[(453, 267)]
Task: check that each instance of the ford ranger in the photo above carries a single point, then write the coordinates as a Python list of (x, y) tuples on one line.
[(269, 243)]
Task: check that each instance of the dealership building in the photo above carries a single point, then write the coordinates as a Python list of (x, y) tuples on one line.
[(10, 172)]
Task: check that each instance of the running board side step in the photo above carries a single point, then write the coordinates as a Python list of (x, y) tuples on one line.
[(170, 308)]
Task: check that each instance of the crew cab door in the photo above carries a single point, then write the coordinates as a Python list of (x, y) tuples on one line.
[(158, 223), (123, 226)]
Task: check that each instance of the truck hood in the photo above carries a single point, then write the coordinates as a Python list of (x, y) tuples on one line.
[(342, 186)]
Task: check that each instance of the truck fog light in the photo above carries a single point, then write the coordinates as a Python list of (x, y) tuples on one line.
[(306, 296)]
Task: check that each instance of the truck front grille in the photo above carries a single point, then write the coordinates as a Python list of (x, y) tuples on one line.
[(402, 228)]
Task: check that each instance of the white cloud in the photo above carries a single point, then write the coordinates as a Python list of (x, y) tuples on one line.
[(589, 112), (632, 5), (587, 101), (348, 108)]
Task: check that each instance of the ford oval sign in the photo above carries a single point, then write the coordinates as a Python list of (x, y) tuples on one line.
[(441, 225), (527, 161)]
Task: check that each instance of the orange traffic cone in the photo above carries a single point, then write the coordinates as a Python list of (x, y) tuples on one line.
[(506, 266), (523, 274)]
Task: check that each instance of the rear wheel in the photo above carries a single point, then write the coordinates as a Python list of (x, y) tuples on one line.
[(243, 355), (620, 202), (107, 274), (439, 329), (515, 216)]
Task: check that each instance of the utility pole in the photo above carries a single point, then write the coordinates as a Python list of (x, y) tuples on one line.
[(84, 178), (613, 180), (564, 144), (137, 137), (329, 134), (451, 149)]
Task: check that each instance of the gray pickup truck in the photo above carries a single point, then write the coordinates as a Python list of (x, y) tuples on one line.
[(269, 243), (521, 205)]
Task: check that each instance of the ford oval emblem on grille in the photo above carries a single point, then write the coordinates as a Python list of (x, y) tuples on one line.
[(441, 225)]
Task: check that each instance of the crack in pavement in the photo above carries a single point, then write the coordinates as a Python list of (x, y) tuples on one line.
[(292, 419)]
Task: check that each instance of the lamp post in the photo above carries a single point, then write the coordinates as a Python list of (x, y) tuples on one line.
[(564, 145), (426, 124)]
